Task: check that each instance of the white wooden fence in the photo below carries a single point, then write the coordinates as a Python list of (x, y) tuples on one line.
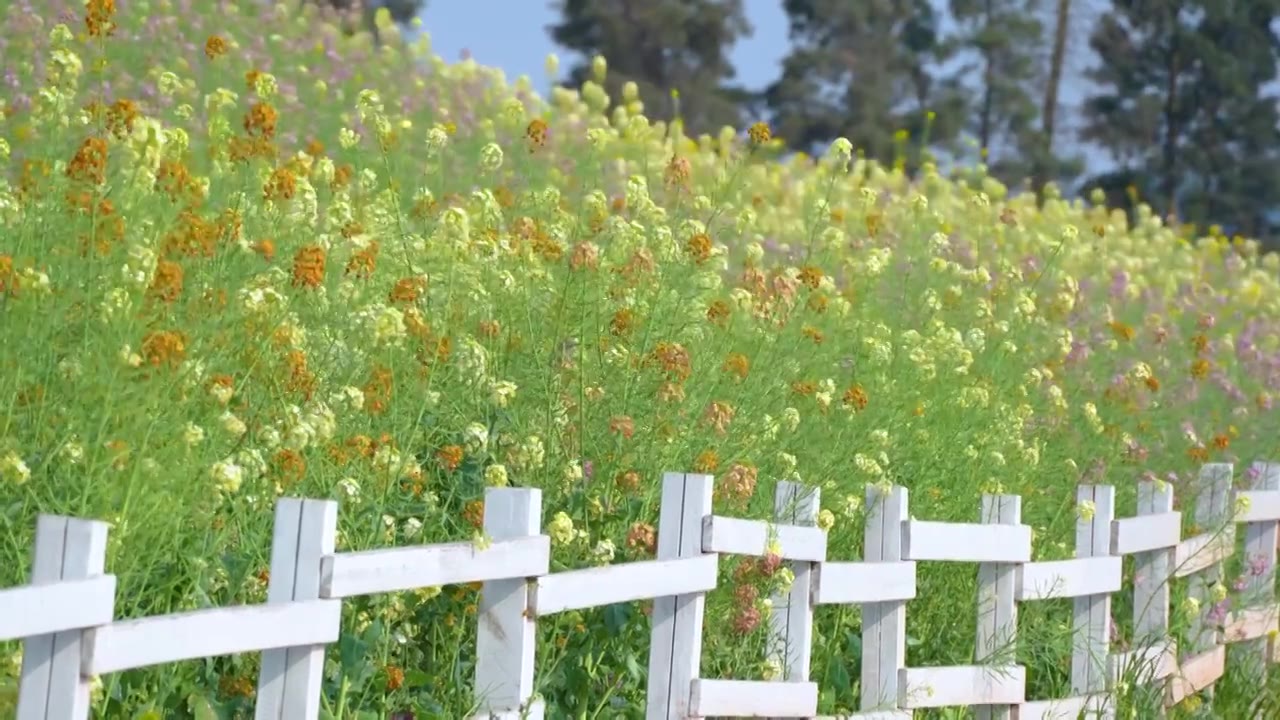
[(65, 614)]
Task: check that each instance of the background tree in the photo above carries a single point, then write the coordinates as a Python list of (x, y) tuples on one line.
[(1003, 39), (359, 14), (1233, 155), (1047, 165), (864, 70), (661, 45), (1182, 105)]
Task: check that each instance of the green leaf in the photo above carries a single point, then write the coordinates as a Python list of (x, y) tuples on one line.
[(416, 679), (202, 708), (838, 678), (616, 617), (853, 643)]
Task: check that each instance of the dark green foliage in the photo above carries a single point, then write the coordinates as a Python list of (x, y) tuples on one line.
[(1183, 104), (864, 71), (661, 45)]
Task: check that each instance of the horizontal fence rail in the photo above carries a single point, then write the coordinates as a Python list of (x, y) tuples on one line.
[(65, 615)]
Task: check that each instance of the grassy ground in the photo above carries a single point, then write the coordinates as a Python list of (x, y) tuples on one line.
[(243, 256)]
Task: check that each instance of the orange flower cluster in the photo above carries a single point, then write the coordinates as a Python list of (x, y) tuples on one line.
[(308, 267), (98, 17), (90, 162)]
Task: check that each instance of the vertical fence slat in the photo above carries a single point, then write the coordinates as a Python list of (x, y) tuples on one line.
[(507, 631), (1092, 626), (52, 687), (791, 622), (1152, 571), (884, 624), (1212, 515), (1260, 540), (290, 679), (997, 606), (675, 651)]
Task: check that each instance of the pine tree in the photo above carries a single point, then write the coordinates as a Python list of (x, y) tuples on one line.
[(1183, 109), (1005, 37), (661, 45), (864, 70)]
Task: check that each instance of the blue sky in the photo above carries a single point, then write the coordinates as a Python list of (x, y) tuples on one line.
[(512, 35)]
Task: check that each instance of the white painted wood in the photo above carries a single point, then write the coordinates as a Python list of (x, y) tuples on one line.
[(736, 536), (52, 686), (675, 650), (1213, 516), (45, 609), (872, 715), (210, 633), (1090, 707), (290, 678), (507, 634), (843, 583), (1070, 578), (627, 582), (1201, 552), (1146, 533), (371, 572), (1152, 570), (1197, 673), (1145, 665), (1251, 624), (884, 624), (1151, 657), (790, 641), (536, 710), (1257, 505), (1091, 612), (997, 607), (748, 698), (1252, 627), (966, 542), (962, 685)]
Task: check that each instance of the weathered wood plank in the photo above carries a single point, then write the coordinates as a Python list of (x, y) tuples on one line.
[(747, 698), (210, 633), (735, 536), (627, 582), (843, 583), (1145, 533), (395, 569), (67, 605), (790, 642), (966, 542), (506, 635), (1077, 577), (675, 649), (884, 624), (962, 685)]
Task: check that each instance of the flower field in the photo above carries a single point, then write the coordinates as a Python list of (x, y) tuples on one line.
[(243, 256)]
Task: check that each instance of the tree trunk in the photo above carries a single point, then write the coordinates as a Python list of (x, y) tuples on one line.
[(1049, 110), (985, 121), (1169, 144)]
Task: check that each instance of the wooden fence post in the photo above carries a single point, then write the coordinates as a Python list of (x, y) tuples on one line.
[(675, 651), (997, 606), (290, 681), (506, 634), (884, 624), (1152, 572), (791, 622), (1260, 539), (52, 687), (1212, 515), (1091, 632)]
